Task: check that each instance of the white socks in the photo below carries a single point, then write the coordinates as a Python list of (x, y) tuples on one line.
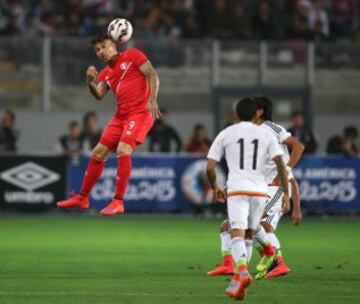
[(249, 250), (225, 239), (274, 240), (261, 236), (238, 249)]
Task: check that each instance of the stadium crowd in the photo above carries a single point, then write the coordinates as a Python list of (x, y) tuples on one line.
[(223, 19)]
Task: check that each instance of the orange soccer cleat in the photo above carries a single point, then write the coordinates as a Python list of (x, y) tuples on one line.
[(115, 207), (226, 268), (222, 269), (280, 269), (238, 287), (77, 200)]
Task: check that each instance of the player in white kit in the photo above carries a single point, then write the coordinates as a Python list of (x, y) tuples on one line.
[(247, 149), (273, 211), (265, 235)]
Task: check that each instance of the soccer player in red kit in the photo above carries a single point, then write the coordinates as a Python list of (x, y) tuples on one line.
[(134, 82)]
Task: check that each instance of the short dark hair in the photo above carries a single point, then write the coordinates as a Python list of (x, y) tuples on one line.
[(163, 111), (100, 38), (87, 116), (351, 131), (265, 103), (11, 114), (246, 108), (73, 124), (198, 127), (297, 113)]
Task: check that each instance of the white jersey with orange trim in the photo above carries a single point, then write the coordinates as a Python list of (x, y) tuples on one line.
[(247, 148), (281, 134)]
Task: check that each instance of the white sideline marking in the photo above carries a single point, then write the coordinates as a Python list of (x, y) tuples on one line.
[(50, 293)]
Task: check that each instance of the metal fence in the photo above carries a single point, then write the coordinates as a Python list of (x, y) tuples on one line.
[(49, 74)]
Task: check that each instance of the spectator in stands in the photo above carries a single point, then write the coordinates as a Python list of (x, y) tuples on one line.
[(31, 28), (303, 133), (124, 8), (91, 133), (344, 144), (241, 21), (8, 133), (223, 19), (71, 144), (162, 136), (198, 141), (299, 30), (303, 7), (343, 15), (218, 22), (318, 20), (11, 27), (263, 22)]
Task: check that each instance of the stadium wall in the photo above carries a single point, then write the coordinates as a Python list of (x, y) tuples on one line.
[(40, 132)]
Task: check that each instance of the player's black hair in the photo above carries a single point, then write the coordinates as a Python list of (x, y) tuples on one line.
[(351, 131), (100, 38), (266, 104), (246, 108)]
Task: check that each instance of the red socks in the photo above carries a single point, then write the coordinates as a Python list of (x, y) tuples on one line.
[(243, 268), (228, 260), (94, 170), (122, 176), (269, 250), (92, 174)]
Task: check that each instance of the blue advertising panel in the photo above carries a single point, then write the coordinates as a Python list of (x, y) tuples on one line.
[(158, 183), (168, 183), (329, 183)]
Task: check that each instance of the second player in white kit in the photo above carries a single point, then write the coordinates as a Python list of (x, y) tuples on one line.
[(247, 149)]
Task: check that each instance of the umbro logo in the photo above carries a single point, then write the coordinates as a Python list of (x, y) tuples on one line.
[(29, 176)]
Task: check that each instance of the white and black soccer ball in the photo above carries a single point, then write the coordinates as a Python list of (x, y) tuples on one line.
[(120, 30)]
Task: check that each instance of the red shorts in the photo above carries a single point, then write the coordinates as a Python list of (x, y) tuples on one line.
[(131, 130)]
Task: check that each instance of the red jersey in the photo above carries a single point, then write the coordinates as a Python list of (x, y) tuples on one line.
[(128, 83)]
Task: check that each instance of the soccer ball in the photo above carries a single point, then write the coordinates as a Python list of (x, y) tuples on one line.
[(120, 30)]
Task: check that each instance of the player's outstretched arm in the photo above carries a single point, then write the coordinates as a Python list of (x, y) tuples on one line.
[(98, 90), (296, 148), (148, 70), (296, 210), (283, 174)]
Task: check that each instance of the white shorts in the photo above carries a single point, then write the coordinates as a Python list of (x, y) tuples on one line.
[(273, 206), (245, 212)]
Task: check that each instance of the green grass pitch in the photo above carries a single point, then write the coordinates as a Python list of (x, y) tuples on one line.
[(125, 260)]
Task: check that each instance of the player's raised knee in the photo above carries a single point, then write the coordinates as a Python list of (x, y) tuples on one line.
[(124, 149), (100, 152)]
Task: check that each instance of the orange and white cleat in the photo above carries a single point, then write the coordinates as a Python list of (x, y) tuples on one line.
[(77, 200), (238, 287), (279, 270), (222, 270), (115, 207)]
